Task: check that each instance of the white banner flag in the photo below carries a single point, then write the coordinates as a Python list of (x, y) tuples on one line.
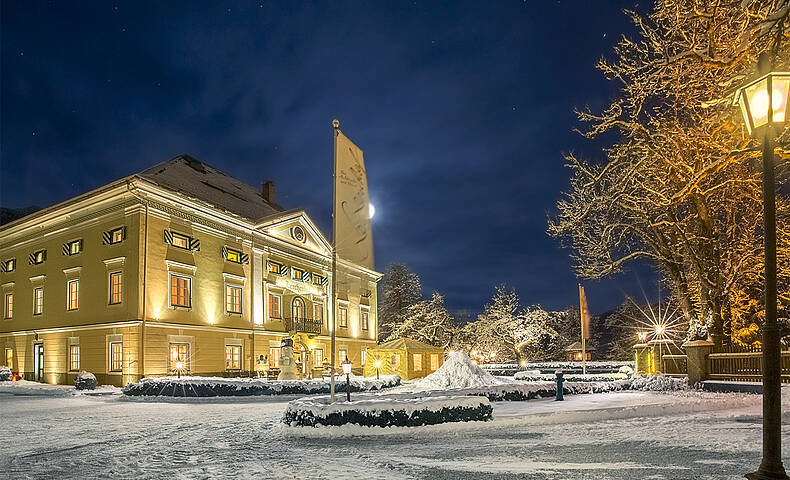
[(353, 238)]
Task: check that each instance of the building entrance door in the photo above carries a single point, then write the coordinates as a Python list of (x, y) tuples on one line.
[(38, 360)]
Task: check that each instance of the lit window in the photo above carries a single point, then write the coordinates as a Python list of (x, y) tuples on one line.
[(342, 354), (318, 313), (39, 257), (8, 311), (417, 357), (180, 291), (179, 355), (232, 299), (276, 268), (342, 317), (318, 357), (116, 356), (317, 279), (38, 300), (74, 247), (116, 288), (297, 308), (9, 357), (116, 235), (10, 265), (434, 361), (74, 358), (274, 357), (234, 256), (298, 274), (73, 289), (180, 241), (395, 362), (364, 317), (232, 357), (275, 304)]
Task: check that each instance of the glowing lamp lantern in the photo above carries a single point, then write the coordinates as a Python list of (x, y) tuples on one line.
[(761, 110), (347, 370), (660, 330), (378, 366), (642, 336)]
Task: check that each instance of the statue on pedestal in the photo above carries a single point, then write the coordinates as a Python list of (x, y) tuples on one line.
[(287, 362)]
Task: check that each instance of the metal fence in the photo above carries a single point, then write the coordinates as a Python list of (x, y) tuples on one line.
[(674, 365), (743, 366)]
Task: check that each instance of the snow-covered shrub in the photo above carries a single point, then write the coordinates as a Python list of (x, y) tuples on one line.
[(387, 412), (5, 374), (550, 377), (595, 366), (242, 387), (85, 381), (658, 383), (626, 370)]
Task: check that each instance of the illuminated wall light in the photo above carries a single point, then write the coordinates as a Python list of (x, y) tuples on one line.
[(156, 314)]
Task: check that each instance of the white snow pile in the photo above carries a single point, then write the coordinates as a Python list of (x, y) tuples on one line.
[(85, 381), (5, 373), (26, 387), (658, 383), (458, 371)]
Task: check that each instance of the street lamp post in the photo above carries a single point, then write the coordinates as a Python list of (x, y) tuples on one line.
[(347, 370), (763, 103)]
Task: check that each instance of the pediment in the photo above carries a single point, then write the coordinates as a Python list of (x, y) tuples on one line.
[(297, 229)]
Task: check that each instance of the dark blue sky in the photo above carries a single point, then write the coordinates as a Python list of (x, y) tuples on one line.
[(463, 111)]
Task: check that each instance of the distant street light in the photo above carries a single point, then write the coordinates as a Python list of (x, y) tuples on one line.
[(763, 113), (347, 370)]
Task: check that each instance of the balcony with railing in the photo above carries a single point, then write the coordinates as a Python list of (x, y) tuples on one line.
[(303, 325)]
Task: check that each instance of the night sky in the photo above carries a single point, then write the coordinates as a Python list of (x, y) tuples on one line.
[(463, 111)]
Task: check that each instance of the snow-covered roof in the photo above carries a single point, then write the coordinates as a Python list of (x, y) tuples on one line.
[(191, 177), (577, 347), (404, 343)]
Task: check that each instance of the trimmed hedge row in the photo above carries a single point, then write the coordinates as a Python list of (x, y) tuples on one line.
[(228, 389), (528, 391), (600, 377), (389, 418)]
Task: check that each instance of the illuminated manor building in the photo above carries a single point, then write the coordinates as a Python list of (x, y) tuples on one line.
[(178, 267)]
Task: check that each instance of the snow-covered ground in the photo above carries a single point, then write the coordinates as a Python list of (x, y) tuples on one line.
[(619, 435)]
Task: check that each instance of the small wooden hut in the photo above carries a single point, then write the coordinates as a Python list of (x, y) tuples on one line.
[(404, 357), (574, 352)]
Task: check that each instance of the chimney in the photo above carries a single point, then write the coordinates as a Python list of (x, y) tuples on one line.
[(268, 191)]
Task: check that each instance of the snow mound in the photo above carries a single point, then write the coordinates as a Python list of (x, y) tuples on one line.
[(458, 371), (5, 374)]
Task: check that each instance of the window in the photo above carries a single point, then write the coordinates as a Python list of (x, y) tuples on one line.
[(297, 308), (298, 274), (276, 268), (232, 299), (232, 357), (180, 291), (364, 317), (116, 235), (39, 257), (318, 313), (9, 358), (395, 362), (179, 356), (417, 357), (116, 288), (73, 292), (317, 279), (434, 361), (8, 310), (364, 356), (275, 302), (234, 256), (318, 357), (274, 357), (74, 247), (180, 241), (74, 358), (116, 356), (38, 300), (342, 354), (342, 317), (10, 265)]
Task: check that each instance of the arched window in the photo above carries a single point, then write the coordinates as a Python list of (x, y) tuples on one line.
[(297, 308)]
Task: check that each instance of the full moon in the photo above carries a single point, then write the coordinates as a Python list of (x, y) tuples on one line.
[(371, 210)]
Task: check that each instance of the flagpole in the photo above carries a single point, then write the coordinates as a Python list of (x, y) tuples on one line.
[(335, 128), (581, 318)]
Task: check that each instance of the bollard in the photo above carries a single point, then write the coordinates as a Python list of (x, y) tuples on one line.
[(559, 374)]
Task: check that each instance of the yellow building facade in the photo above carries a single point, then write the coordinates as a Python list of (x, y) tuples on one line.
[(178, 267)]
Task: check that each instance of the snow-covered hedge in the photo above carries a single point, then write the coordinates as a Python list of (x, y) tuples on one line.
[(240, 387), (5, 374), (387, 411), (658, 383), (510, 369), (550, 377), (85, 381), (515, 392)]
